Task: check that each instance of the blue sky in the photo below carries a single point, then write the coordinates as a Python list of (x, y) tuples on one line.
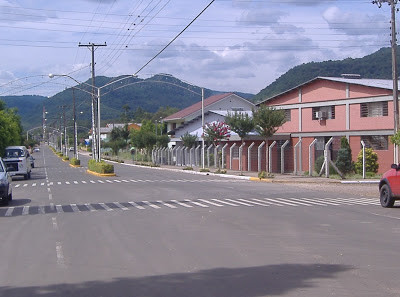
[(235, 45)]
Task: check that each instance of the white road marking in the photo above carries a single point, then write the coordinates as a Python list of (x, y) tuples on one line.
[(90, 207), (166, 204), (277, 200), (106, 207), (239, 202), (151, 205), (209, 202), (25, 210), (224, 202), (84, 182), (134, 204), (120, 206), (196, 203), (75, 208), (9, 211), (59, 209), (180, 203), (60, 255), (54, 222)]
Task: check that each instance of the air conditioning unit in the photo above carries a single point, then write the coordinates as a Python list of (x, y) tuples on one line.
[(321, 115)]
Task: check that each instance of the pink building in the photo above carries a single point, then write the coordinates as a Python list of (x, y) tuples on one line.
[(325, 107)]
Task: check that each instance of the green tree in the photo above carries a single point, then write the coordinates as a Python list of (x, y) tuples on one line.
[(267, 121), (240, 123), (162, 140), (188, 139), (371, 161), (344, 159), (117, 141), (216, 132), (10, 128)]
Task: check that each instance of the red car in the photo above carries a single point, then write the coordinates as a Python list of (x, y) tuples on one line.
[(389, 186)]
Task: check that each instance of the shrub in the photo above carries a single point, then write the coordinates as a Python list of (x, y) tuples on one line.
[(318, 165), (100, 167), (344, 160), (75, 162), (371, 161), (204, 170), (188, 168), (65, 158)]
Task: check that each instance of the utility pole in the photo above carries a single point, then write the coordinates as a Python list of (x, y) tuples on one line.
[(95, 136), (392, 4), (65, 131), (75, 126)]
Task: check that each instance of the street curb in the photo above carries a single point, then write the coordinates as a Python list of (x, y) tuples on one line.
[(184, 171), (100, 174), (360, 182), (75, 166)]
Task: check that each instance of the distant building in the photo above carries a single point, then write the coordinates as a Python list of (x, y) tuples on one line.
[(215, 109), (105, 132), (325, 107)]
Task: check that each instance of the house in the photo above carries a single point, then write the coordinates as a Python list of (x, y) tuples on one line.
[(215, 108), (105, 132), (326, 107)]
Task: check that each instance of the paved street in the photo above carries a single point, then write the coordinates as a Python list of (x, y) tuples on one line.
[(150, 232)]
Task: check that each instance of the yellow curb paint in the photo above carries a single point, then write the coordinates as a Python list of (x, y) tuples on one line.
[(100, 174), (265, 180), (75, 166)]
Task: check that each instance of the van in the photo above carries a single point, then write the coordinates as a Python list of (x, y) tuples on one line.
[(17, 161)]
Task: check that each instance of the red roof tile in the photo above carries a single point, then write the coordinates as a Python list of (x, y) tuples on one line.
[(196, 107)]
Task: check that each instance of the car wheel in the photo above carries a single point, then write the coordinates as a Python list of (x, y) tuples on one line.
[(10, 197), (386, 197), (4, 200), (25, 176), (29, 175)]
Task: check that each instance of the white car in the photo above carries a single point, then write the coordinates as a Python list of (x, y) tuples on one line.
[(5, 184), (17, 161)]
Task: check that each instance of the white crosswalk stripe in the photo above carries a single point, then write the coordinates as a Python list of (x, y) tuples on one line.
[(120, 206), (166, 204), (134, 204), (195, 203), (189, 203), (151, 205)]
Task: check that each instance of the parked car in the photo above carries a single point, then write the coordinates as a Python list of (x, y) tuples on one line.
[(36, 149), (389, 186), (17, 161), (5, 184), (71, 149)]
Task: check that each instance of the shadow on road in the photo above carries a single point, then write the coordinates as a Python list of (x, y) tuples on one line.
[(19, 202), (270, 280)]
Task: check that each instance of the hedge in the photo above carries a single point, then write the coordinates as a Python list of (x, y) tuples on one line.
[(100, 167), (75, 162)]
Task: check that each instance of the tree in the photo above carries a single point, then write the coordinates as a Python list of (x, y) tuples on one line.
[(188, 139), (216, 132), (371, 161), (117, 141), (10, 128), (267, 121), (240, 123), (344, 160)]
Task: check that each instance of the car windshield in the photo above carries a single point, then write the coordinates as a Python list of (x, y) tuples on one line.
[(14, 153)]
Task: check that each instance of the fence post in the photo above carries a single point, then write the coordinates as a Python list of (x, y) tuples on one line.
[(295, 156), (283, 156), (223, 155), (310, 158), (249, 156), (208, 155), (259, 157), (230, 155), (327, 157), (216, 161), (270, 156), (196, 155), (363, 153)]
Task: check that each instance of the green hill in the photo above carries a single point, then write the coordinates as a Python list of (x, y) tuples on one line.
[(134, 93), (377, 65)]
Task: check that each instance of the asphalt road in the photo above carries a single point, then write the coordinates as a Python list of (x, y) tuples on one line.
[(149, 232)]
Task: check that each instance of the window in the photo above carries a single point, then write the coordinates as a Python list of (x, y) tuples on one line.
[(376, 142), (237, 108), (374, 109), (328, 112), (288, 115)]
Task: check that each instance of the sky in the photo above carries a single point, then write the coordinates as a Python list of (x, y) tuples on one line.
[(234, 45)]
